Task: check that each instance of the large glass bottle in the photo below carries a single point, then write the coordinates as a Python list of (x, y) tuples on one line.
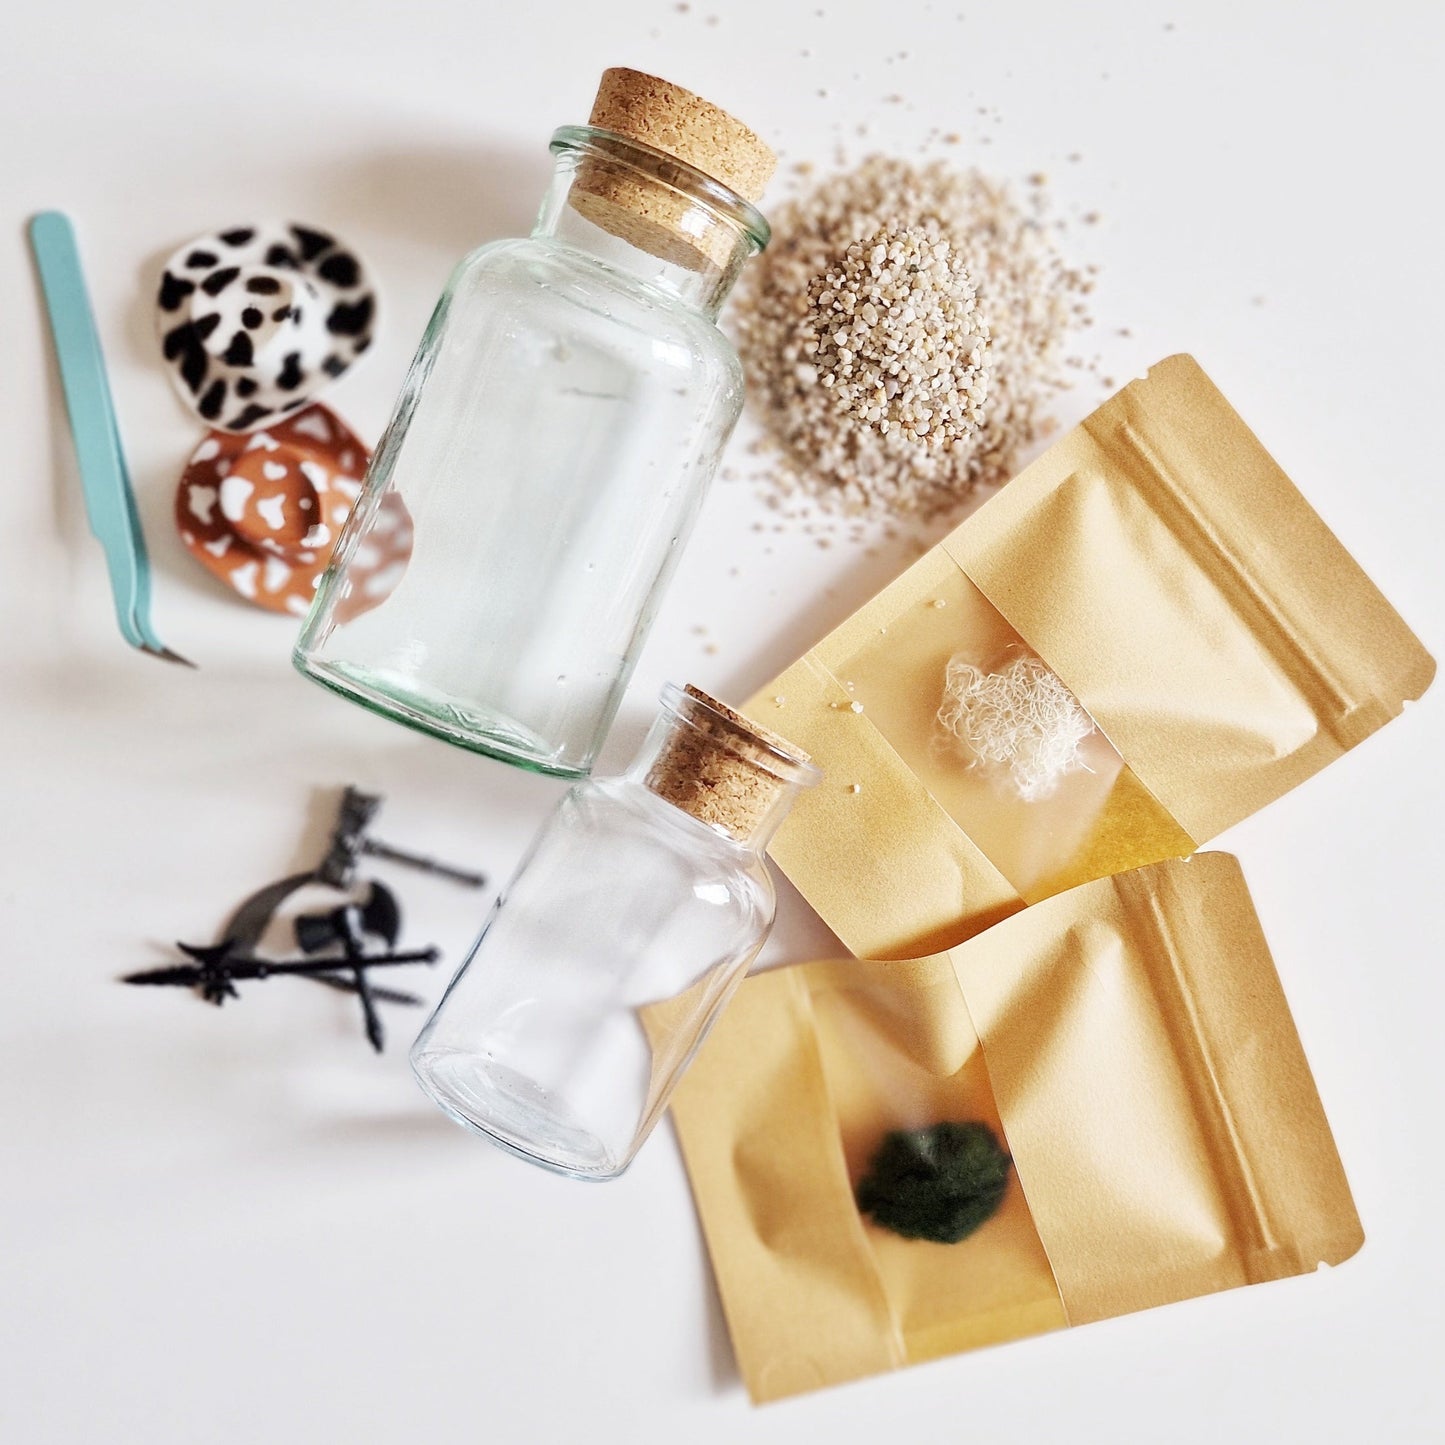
[(637, 911), (551, 447)]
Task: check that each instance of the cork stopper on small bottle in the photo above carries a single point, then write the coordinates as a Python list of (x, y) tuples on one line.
[(652, 214), (724, 769)]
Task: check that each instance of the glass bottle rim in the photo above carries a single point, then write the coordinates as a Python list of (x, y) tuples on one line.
[(786, 766), (665, 170)]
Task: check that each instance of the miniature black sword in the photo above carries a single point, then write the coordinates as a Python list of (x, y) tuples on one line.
[(215, 969)]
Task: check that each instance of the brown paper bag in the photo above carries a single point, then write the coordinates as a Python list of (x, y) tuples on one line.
[(1129, 1042), (1223, 642)]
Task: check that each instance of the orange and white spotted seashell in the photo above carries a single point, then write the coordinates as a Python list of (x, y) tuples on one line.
[(262, 511)]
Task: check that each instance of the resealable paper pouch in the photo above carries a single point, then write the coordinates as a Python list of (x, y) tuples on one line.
[(1129, 1043), (1164, 567)]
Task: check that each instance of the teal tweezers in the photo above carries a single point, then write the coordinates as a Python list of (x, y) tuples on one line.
[(109, 501)]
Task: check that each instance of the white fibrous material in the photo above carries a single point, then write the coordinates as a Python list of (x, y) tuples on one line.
[(1021, 717)]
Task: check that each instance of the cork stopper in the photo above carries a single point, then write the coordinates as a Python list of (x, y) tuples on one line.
[(650, 213), (671, 119), (724, 769)]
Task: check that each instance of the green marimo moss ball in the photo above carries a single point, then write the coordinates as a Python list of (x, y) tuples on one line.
[(939, 1183)]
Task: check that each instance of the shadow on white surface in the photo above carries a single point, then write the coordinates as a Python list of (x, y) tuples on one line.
[(454, 197)]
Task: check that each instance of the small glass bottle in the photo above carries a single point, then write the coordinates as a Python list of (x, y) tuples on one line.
[(638, 909), (553, 442)]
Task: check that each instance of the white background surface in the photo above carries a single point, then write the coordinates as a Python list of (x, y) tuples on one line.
[(237, 1225)]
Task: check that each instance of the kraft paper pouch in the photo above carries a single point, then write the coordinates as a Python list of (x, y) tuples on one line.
[(1157, 560), (1129, 1043)]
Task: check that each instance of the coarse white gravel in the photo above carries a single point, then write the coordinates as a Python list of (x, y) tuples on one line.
[(1009, 301)]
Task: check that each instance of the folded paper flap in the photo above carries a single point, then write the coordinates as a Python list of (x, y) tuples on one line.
[(1271, 553), (1161, 522), (1238, 1043), (1198, 1156), (758, 1133), (916, 1003)]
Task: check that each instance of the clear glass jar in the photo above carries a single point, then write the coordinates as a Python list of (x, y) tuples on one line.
[(554, 439), (638, 909)]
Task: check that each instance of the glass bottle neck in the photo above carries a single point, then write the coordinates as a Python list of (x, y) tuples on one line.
[(719, 770), (652, 217), (754, 840)]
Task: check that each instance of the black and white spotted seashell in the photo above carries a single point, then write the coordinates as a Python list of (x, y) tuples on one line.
[(256, 321)]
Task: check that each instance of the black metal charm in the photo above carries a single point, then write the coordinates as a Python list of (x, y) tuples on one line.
[(217, 970), (350, 926), (349, 843), (335, 943)]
